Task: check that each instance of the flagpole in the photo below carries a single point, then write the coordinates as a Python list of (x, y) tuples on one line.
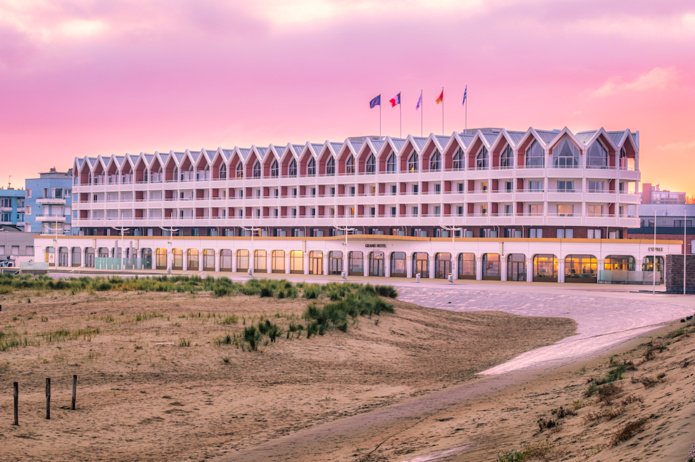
[(466, 123), (380, 115), (422, 111), (442, 111), (400, 109)]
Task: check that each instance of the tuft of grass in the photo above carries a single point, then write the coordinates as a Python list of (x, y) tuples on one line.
[(535, 451), (230, 320), (629, 430), (184, 343)]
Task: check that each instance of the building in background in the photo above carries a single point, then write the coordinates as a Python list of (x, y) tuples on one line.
[(670, 221), (12, 207), (16, 245), (655, 195), (48, 204)]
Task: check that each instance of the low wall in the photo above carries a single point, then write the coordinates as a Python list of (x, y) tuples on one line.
[(673, 278)]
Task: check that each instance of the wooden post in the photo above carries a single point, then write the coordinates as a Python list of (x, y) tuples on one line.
[(48, 399), (16, 403), (74, 391)]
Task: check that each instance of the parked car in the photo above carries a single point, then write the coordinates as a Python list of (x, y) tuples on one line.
[(6, 263)]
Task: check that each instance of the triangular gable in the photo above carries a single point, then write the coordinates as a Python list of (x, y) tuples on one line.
[(566, 132), (596, 134), (531, 133)]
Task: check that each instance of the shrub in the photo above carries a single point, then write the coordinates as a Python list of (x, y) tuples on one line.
[(387, 291), (629, 430), (103, 286), (312, 291), (252, 337)]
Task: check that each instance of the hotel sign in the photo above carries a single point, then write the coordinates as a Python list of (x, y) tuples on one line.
[(655, 249), (370, 246)]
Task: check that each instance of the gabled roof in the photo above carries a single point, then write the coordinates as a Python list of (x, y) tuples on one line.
[(397, 144), (589, 137), (490, 138), (419, 142), (547, 136), (335, 147), (515, 137), (441, 141)]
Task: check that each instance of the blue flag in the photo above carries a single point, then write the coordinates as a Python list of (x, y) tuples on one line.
[(419, 102), (375, 102), (465, 93)]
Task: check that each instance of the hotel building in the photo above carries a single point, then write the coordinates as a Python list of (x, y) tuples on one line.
[(483, 204)]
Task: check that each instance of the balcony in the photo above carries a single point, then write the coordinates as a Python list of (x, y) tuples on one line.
[(51, 218), (51, 201)]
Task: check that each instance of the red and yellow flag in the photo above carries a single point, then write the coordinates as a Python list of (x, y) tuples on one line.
[(441, 97)]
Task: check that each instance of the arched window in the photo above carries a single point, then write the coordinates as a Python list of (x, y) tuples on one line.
[(239, 170), (330, 166), (370, 166), (482, 160), (257, 170), (597, 156), (507, 158), (274, 169), (412, 162), (292, 170), (311, 167), (435, 161), (566, 155), (458, 160), (535, 156), (391, 164), (350, 165), (623, 159), (223, 172), (176, 173)]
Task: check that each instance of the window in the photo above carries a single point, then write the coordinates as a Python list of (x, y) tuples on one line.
[(294, 192), (294, 213), (460, 188), (594, 234), (565, 233), (223, 171), (509, 186), (483, 210), (28, 193), (415, 189), (597, 156), (535, 156), (535, 210), (313, 192), (435, 161), (623, 160), (482, 159), (311, 167), (239, 170), (415, 211), (565, 210), (332, 191), (459, 211), (276, 192), (594, 210), (458, 160), (437, 211), (412, 162), (257, 170), (535, 186), (535, 233), (27, 210), (370, 166), (352, 190), (483, 186), (391, 164), (330, 166), (437, 188), (2, 250), (566, 155), (393, 211), (565, 186), (507, 158), (274, 169), (595, 186), (508, 210), (372, 211), (393, 189), (313, 212), (350, 165), (292, 168)]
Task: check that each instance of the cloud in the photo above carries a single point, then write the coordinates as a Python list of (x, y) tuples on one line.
[(678, 146), (656, 79)]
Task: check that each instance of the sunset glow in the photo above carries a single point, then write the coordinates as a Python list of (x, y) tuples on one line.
[(95, 78)]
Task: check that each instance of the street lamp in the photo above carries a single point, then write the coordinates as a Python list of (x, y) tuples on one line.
[(122, 230), (345, 229), (252, 256), (453, 229), (171, 246)]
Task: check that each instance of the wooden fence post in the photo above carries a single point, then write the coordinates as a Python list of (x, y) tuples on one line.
[(16, 403), (48, 399), (74, 391)]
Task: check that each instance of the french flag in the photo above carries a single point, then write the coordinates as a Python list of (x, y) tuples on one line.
[(395, 100)]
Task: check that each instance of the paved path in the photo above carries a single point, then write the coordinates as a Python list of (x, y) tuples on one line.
[(606, 315)]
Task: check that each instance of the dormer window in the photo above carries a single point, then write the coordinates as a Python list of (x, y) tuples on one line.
[(507, 158), (257, 170), (274, 169), (391, 164), (350, 165), (239, 171), (458, 160), (535, 156), (435, 161), (370, 166), (311, 167), (330, 166), (292, 169), (597, 156), (412, 162), (566, 155), (482, 160)]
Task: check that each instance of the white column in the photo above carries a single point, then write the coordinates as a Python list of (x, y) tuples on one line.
[(217, 261), (269, 261), (561, 270), (529, 268), (325, 263), (409, 265), (55, 255), (287, 262), (306, 262), (478, 267), (70, 257), (201, 260), (345, 262), (387, 264), (184, 265), (365, 264), (431, 266), (234, 267), (154, 259)]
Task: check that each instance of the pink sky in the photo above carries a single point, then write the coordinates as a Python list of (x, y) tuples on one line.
[(101, 77)]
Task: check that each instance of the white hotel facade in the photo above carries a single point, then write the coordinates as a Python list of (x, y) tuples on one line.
[(482, 204)]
